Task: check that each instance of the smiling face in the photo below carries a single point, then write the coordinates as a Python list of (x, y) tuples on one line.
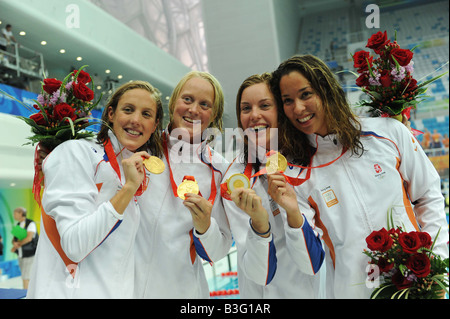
[(301, 104), (134, 119), (258, 111), (193, 109)]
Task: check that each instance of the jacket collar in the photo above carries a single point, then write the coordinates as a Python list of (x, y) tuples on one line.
[(117, 146)]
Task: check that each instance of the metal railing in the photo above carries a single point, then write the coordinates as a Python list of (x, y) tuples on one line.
[(22, 60)]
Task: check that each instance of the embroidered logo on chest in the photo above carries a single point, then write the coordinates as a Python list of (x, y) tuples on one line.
[(379, 173), (377, 168)]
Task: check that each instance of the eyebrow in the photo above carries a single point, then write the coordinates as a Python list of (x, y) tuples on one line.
[(262, 100), (299, 91)]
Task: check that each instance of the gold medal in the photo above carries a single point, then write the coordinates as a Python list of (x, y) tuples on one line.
[(237, 181), (188, 185), (276, 163), (154, 165)]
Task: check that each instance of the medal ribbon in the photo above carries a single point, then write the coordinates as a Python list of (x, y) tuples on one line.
[(212, 196), (295, 181), (112, 159)]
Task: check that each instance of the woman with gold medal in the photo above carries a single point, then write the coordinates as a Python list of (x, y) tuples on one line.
[(90, 217), (278, 250), (183, 219), (365, 167)]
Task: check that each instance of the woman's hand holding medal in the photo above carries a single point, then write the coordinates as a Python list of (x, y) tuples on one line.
[(284, 195), (133, 168), (200, 209), (247, 200)]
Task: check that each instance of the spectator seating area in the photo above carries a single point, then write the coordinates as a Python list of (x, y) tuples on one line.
[(429, 28), (439, 124)]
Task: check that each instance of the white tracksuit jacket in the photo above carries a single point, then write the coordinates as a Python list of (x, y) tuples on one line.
[(280, 266), (352, 196), (169, 251), (98, 241)]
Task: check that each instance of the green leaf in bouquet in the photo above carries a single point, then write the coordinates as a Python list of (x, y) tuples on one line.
[(376, 95), (370, 69), (431, 80), (383, 292), (398, 101), (415, 47), (402, 269), (64, 134), (96, 103), (16, 100), (399, 294), (397, 65)]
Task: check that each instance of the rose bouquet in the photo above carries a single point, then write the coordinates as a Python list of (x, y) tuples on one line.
[(64, 112), (64, 109), (403, 265), (388, 79)]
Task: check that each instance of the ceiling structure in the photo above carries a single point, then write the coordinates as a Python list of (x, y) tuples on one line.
[(176, 26)]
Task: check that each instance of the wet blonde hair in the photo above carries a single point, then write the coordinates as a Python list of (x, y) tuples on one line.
[(219, 100)]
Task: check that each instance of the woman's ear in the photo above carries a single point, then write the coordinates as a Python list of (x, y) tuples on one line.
[(110, 113)]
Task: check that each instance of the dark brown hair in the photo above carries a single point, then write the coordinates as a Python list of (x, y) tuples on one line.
[(248, 82), (340, 119)]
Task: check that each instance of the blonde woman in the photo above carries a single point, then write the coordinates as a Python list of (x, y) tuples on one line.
[(179, 226)]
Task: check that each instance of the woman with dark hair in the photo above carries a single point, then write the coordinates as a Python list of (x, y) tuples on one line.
[(89, 212), (276, 257), (359, 169)]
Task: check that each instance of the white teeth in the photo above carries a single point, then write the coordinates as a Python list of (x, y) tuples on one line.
[(133, 132), (259, 127), (192, 121), (305, 119)]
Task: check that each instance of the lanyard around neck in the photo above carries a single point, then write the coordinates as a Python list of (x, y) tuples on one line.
[(174, 186)]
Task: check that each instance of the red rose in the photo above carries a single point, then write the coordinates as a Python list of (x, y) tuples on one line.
[(360, 60), (384, 265), (393, 231), (38, 118), (377, 41), (51, 85), (362, 80), (400, 281), (402, 56), (385, 78), (379, 240), (83, 77), (82, 92), (410, 85), (419, 264), (425, 239), (64, 110), (410, 242)]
